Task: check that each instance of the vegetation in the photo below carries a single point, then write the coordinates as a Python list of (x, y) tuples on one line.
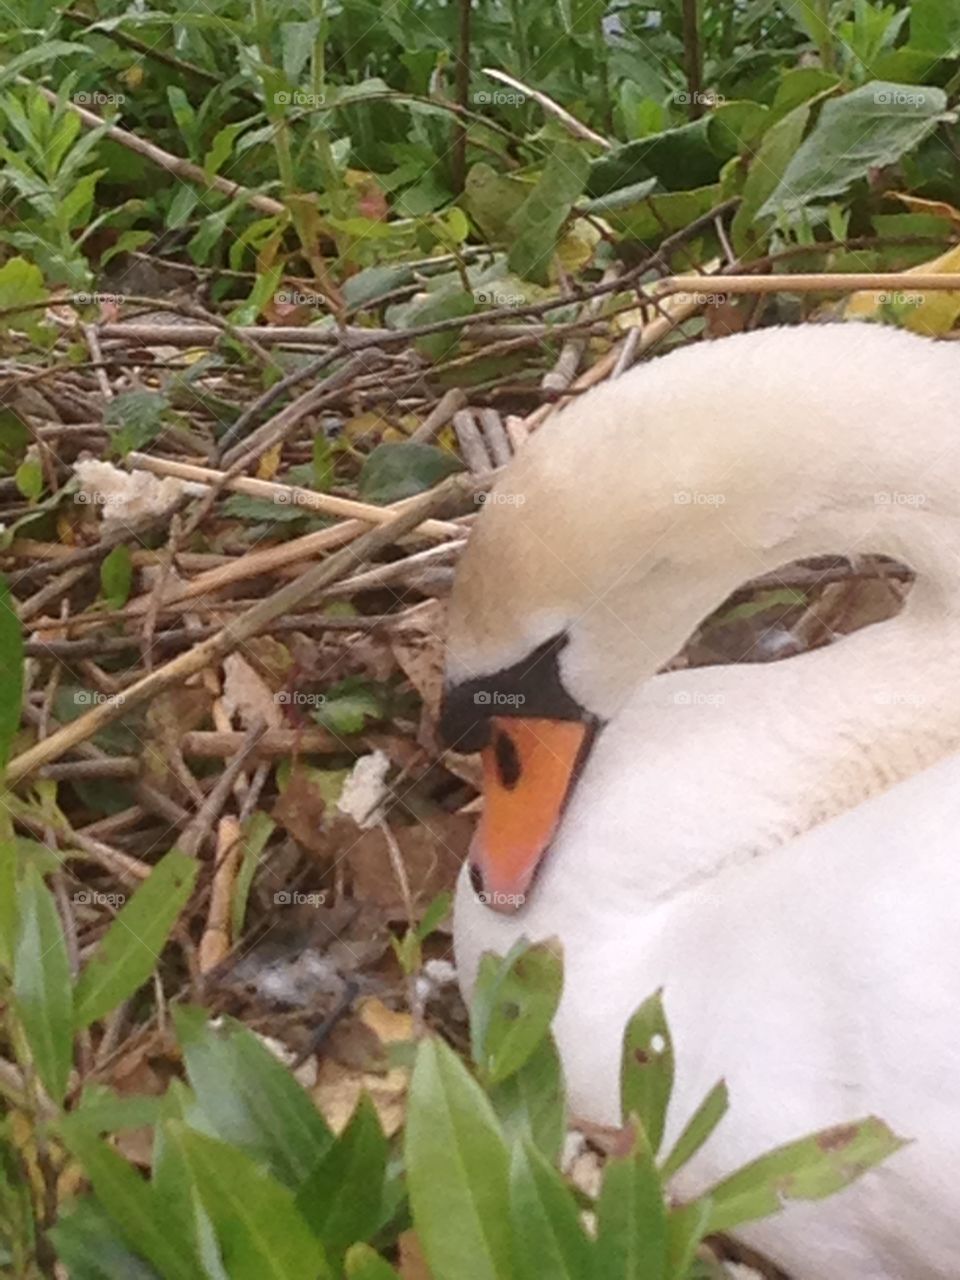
[(368, 215)]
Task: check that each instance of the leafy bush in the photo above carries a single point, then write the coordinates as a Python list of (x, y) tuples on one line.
[(247, 1179)]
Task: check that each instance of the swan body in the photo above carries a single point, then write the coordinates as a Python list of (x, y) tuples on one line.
[(776, 845)]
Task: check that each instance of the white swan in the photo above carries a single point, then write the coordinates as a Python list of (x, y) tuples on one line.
[(778, 845)]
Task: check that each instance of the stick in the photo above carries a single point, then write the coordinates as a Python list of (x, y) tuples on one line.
[(454, 493), (173, 164), (285, 494), (809, 282), (569, 122)]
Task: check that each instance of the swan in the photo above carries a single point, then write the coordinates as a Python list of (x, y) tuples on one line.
[(777, 846)]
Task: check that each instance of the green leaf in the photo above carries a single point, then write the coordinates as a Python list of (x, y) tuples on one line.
[(46, 51), (8, 896), (809, 1169), (663, 212), (433, 915), (514, 1002), (91, 1248), (686, 1227), (532, 1102), (492, 199), (935, 26), (104, 1111), (221, 148), (139, 416), (632, 1214), (29, 479), (364, 1263), (322, 463), (400, 470), (457, 1171), (257, 830), (435, 346), (646, 1069), (130, 1203), (14, 438), (260, 1232), (11, 664), (767, 168), (869, 128), (622, 198), (697, 1130), (342, 1198), (348, 705), (297, 40), (116, 576), (264, 1111), (130, 949), (548, 1239), (41, 984), (21, 282), (679, 158), (535, 227)]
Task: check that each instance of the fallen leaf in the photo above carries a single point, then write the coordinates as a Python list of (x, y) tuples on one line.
[(432, 854), (246, 695), (917, 204), (933, 313), (418, 644), (342, 1076), (302, 810)]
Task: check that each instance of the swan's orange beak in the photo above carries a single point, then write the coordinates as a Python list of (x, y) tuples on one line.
[(529, 768)]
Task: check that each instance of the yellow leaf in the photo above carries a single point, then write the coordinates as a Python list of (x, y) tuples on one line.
[(917, 204), (932, 313), (132, 76), (365, 426), (270, 463), (577, 247)]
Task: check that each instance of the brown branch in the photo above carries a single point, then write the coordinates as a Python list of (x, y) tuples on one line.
[(454, 494)]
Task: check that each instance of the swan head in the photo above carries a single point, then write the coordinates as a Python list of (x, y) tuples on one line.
[(636, 511)]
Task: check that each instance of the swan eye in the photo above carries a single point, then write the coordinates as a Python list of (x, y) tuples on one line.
[(507, 759)]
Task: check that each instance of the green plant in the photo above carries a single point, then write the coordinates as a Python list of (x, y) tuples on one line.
[(247, 1180)]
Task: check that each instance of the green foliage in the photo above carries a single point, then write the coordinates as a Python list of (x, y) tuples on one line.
[(11, 664), (248, 1181), (395, 471), (116, 576), (127, 952)]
